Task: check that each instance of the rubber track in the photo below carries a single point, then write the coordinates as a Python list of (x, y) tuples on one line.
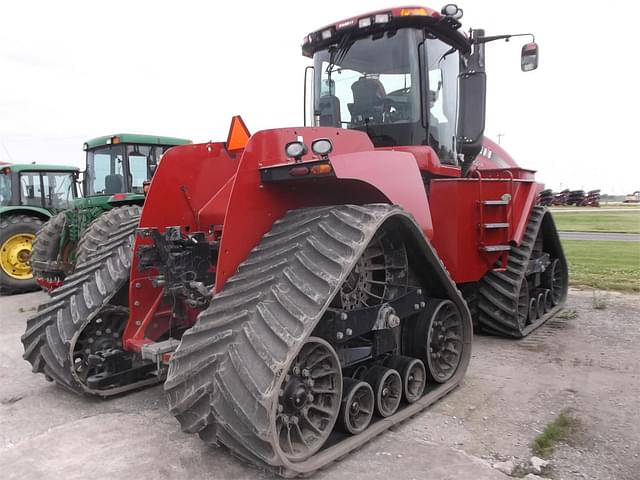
[(497, 298), (46, 245), (51, 332), (104, 227), (223, 380)]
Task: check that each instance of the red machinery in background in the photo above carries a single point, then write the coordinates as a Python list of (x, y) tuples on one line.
[(303, 289)]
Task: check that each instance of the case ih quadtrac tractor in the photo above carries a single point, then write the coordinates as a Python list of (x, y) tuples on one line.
[(29, 195), (117, 167), (301, 290)]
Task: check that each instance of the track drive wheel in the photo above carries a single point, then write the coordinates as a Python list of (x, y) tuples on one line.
[(310, 399), (17, 233)]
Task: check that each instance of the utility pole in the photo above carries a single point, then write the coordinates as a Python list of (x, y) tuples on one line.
[(500, 135)]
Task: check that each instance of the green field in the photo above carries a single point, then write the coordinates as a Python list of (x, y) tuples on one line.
[(608, 265), (600, 221)]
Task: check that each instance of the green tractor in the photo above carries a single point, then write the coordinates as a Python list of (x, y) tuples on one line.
[(29, 195), (117, 169)]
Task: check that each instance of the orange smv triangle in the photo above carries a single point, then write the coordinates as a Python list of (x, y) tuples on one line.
[(238, 134)]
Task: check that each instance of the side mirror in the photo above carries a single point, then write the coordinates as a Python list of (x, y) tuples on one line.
[(472, 83), (529, 57)]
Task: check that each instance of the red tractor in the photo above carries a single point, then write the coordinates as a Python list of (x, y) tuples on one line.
[(301, 290)]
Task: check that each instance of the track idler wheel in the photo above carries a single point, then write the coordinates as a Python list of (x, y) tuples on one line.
[(413, 375), (357, 406), (310, 399), (387, 388), (436, 338)]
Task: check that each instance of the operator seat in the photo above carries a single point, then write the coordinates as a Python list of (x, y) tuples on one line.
[(113, 184), (368, 100), (329, 110)]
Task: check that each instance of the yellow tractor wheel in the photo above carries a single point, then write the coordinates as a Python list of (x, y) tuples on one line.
[(14, 256), (17, 233)]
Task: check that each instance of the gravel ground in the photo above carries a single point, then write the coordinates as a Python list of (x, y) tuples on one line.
[(588, 366)]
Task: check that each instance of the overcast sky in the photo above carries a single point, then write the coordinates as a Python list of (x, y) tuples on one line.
[(70, 71)]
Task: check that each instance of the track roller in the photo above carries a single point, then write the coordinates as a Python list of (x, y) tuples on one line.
[(540, 310), (387, 387), (357, 406), (548, 304), (533, 309), (310, 398), (413, 374)]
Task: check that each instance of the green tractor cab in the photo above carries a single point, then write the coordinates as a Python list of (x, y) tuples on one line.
[(30, 194), (117, 168)]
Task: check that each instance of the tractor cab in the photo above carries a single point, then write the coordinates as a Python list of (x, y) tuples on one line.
[(122, 163), (405, 77), (45, 188)]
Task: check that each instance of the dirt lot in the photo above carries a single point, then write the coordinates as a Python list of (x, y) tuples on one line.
[(588, 366)]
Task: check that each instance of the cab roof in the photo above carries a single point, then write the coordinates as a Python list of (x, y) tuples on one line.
[(444, 27), (134, 138), (38, 167)]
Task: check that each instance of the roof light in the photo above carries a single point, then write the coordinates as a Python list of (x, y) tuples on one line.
[(321, 147), (382, 18), (452, 10), (364, 22), (410, 12), (295, 150), (85, 147), (327, 34)]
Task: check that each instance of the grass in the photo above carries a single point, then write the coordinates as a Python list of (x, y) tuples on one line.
[(600, 221), (607, 265), (560, 430)]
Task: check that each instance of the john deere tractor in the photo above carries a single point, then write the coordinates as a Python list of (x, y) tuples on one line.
[(29, 195), (117, 168)]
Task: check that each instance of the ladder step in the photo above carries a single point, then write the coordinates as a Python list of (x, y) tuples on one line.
[(495, 225), (495, 202), (496, 248)]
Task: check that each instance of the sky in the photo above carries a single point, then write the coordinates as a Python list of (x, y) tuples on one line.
[(73, 70)]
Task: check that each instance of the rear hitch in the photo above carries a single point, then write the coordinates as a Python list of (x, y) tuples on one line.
[(115, 368)]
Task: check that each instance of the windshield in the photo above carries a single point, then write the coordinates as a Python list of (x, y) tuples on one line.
[(372, 85), (104, 174), (142, 159), (59, 190), (5, 189)]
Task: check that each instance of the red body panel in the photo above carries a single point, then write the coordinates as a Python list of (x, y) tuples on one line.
[(361, 177), (206, 188), (458, 213)]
